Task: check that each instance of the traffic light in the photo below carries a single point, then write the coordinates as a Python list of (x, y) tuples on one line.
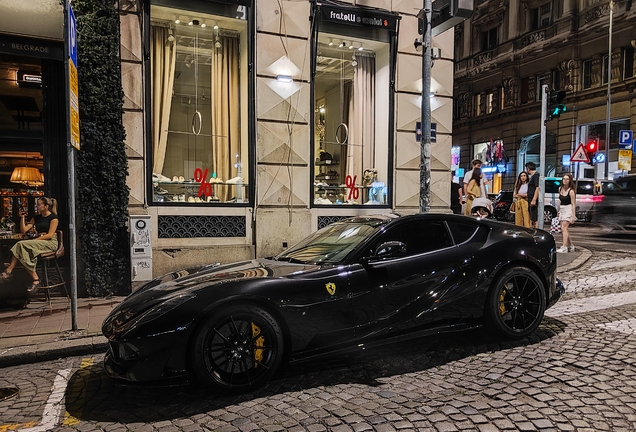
[(555, 104), (591, 148)]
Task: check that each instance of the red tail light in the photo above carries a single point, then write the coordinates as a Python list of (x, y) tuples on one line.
[(591, 198)]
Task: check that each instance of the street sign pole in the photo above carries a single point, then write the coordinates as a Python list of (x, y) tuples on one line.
[(544, 119), (609, 93), (72, 118), (425, 148)]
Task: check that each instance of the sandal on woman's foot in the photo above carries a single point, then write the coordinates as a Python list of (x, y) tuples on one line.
[(5, 275), (35, 285)]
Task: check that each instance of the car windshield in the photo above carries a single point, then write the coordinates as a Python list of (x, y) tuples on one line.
[(331, 244)]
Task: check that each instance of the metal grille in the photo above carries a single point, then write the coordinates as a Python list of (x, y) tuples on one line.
[(323, 221), (201, 226)]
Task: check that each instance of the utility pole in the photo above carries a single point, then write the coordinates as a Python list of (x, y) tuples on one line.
[(425, 150), (545, 94), (609, 94)]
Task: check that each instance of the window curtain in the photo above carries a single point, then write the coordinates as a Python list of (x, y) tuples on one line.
[(361, 150), (226, 139), (163, 55)]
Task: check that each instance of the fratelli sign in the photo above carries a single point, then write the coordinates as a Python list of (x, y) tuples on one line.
[(363, 18)]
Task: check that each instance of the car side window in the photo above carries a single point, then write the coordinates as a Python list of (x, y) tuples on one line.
[(584, 188), (462, 231), (552, 186), (419, 237)]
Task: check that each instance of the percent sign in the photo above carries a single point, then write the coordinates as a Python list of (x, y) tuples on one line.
[(200, 176), (351, 184)]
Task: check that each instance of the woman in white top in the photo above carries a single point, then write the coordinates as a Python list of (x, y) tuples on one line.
[(522, 212)]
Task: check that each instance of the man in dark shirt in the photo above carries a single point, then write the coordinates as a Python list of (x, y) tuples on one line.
[(533, 192), (455, 195)]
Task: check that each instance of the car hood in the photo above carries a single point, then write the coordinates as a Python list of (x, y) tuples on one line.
[(172, 289)]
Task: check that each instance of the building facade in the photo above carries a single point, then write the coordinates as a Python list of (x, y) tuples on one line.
[(503, 56), (251, 124)]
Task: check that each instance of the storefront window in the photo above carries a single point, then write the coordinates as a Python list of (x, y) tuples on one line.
[(352, 105), (495, 163), (198, 75), (597, 132)]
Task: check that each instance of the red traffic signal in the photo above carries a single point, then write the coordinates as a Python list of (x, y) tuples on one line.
[(591, 148)]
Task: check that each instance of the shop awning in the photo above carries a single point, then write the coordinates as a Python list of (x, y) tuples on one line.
[(33, 18)]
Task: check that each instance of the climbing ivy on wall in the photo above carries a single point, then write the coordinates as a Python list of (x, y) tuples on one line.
[(102, 167)]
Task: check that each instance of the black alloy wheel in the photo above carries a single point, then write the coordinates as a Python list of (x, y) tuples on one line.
[(237, 349), (516, 303)]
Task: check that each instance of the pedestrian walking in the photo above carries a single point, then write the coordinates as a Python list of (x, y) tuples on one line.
[(567, 211), (533, 192), (41, 231), (522, 210), (473, 190)]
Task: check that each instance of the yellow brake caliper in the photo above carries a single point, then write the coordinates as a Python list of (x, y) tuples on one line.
[(258, 353), (502, 307)]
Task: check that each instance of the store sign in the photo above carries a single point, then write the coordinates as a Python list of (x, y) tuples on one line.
[(29, 79), (31, 47), (359, 17), (625, 160), (235, 2)]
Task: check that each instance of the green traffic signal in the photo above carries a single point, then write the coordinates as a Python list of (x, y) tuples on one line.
[(556, 107), (558, 110)]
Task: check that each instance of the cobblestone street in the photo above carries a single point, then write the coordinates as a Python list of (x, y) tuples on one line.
[(578, 372)]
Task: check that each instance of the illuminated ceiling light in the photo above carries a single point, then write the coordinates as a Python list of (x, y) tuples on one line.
[(177, 21), (322, 109), (330, 42), (203, 25), (170, 35), (216, 26), (351, 45), (360, 48), (284, 78), (342, 44)]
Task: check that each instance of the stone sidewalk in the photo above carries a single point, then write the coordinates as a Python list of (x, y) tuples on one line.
[(38, 332)]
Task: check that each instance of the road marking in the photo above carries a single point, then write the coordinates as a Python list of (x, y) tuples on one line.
[(601, 281), (590, 304), (53, 405), (625, 262), (79, 388), (627, 326)]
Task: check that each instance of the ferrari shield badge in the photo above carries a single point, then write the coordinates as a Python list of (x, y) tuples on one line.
[(331, 288)]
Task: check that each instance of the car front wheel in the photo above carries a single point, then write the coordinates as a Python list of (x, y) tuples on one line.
[(238, 349), (516, 303), (549, 213)]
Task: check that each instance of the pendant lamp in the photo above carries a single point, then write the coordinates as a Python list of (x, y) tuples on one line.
[(27, 175)]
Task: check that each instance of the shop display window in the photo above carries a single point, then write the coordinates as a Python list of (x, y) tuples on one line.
[(352, 104), (199, 96)]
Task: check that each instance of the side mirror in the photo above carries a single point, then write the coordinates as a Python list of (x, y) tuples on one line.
[(391, 249)]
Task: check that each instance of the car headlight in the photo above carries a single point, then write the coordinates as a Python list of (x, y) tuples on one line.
[(150, 315)]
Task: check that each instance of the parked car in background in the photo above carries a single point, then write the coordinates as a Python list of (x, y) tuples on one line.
[(617, 207), (501, 203), (589, 193), (627, 182)]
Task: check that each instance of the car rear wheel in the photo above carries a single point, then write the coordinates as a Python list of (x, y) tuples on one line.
[(237, 349), (516, 303)]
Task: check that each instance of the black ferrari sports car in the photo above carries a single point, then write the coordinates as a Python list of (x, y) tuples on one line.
[(353, 284)]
